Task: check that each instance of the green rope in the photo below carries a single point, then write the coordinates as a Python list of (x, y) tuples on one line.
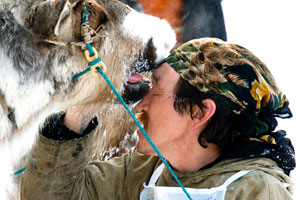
[(80, 74), (19, 172), (94, 62), (89, 47)]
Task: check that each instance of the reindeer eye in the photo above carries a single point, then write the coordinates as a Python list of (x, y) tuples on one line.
[(89, 4)]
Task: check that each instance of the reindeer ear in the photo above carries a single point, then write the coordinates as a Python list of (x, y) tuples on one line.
[(64, 19), (97, 14), (49, 18)]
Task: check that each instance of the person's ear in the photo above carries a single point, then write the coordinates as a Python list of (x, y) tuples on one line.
[(201, 117)]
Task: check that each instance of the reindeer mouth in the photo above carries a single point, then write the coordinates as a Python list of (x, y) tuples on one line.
[(137, 82), (136, 87)]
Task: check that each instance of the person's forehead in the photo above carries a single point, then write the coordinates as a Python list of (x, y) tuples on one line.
[(160, 71)]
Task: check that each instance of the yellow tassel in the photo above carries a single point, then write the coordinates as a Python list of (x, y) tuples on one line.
[(4, 105)]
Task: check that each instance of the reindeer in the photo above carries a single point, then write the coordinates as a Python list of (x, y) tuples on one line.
[(41, 49)]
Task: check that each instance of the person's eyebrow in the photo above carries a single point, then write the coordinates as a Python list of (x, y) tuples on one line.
[(160, 64), (154, 76)]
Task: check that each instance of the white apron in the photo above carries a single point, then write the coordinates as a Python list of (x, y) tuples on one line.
[(152, 192)]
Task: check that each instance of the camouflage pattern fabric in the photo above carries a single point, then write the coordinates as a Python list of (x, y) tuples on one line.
[(234, 77)]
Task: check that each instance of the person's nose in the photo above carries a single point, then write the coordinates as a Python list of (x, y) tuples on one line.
[(143, 104)]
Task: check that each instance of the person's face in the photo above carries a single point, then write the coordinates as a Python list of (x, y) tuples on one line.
[(165, 126)]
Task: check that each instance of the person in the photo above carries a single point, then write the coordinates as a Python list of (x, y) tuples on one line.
[(211, 112)]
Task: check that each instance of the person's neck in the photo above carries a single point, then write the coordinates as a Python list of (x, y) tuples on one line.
[(193, 157)]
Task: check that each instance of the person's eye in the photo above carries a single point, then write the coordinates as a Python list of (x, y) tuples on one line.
[(153, 82), (156, 93), (159, 93)]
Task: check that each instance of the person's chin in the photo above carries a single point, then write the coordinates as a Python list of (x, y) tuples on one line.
[(144, 147), (140, 147)]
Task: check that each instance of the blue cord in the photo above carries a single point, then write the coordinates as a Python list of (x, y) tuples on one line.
[(94, 62), (80, 74), (89, 47), (19, 172)]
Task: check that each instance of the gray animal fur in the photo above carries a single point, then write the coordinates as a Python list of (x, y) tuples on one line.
[(35, 75)]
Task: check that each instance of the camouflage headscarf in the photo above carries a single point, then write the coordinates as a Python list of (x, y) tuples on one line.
[(234, 77)]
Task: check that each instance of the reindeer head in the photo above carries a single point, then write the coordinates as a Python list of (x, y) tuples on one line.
[(128, 42)]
